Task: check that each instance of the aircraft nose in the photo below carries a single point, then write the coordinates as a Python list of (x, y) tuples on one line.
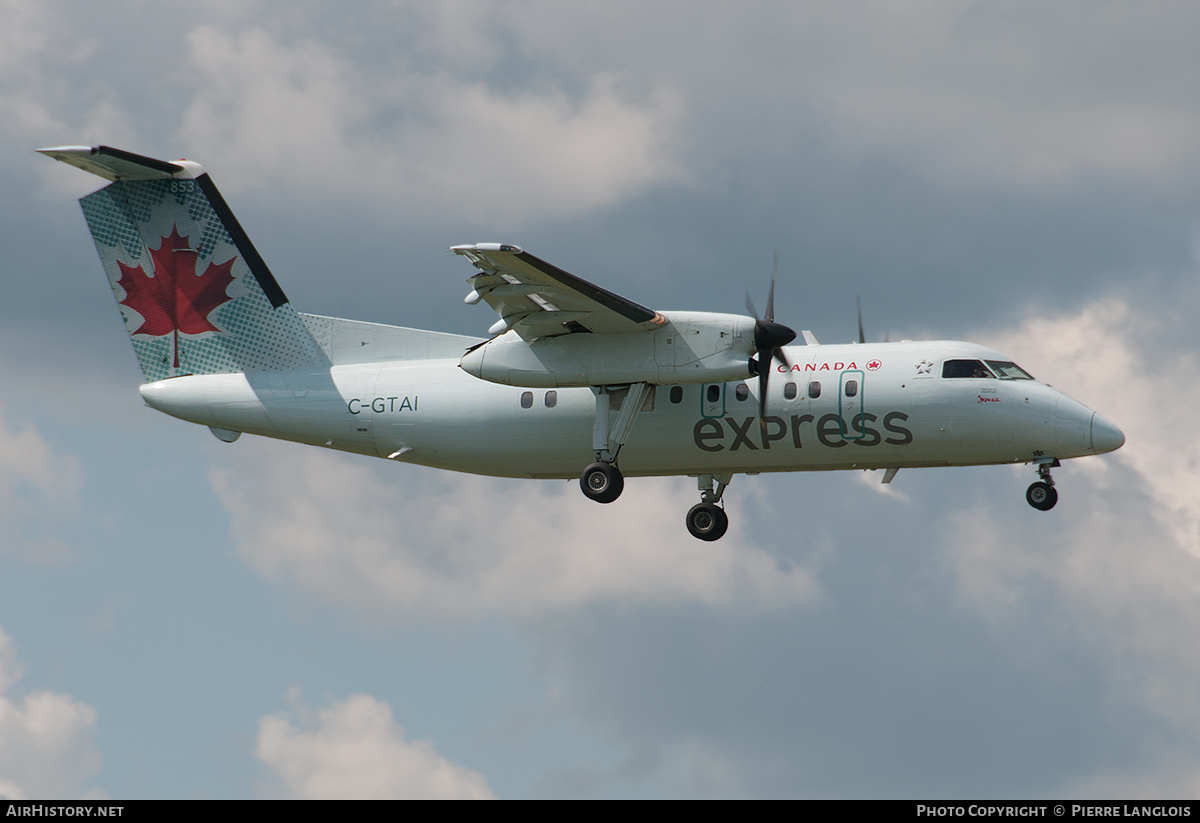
[(1105, 436)]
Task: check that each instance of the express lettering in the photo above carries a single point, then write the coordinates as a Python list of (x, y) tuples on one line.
[(379, 405), (711, 435)]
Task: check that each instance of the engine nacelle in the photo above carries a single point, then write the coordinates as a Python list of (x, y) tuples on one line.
[(691, 347)]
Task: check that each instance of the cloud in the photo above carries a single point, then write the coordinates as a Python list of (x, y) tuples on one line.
[(353, 749), (390, 541), (1112, 573), (509, 113), (48, 91), (38, 489), (46, 738), (305, 116), (1126, 363), (963, 643), (1002, 96)]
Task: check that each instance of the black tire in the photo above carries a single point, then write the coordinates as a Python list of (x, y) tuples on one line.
[(707, 521), (602, 482), (1041, 496)]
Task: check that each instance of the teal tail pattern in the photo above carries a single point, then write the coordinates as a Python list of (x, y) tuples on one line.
[(196, 296)]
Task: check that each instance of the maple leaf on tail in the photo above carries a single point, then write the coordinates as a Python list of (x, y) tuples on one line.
[(175, 299)]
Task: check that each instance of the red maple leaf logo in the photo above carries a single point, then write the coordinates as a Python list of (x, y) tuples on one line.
[(175, 299)]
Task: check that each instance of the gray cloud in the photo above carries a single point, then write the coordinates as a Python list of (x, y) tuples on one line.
[(39, 488), (1029, 171), (464, 547)]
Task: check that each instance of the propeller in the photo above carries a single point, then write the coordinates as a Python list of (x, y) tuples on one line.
[(769, 339), (862, 338)]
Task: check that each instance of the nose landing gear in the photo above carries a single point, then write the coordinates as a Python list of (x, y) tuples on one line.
[(1041, 495)]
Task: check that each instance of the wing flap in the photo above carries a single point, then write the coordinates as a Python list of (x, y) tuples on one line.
[(536, 299)]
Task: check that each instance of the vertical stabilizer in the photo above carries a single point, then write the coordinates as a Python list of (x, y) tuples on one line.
[(196, 296)]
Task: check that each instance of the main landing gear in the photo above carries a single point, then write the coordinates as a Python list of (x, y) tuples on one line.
[(1041, 495), (707, 520), (602, 481)]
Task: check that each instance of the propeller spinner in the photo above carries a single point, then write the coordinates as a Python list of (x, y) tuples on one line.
[(769, 339)]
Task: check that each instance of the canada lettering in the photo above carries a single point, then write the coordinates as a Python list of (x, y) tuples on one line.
[(799, 431), (838, 366)]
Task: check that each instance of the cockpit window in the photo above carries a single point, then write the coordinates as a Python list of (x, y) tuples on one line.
[(1006, 370), (965, 368)]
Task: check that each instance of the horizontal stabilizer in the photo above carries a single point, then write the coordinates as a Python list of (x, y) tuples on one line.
[(115, 164)]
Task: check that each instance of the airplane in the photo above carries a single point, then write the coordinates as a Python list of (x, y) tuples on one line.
[(571, 381)]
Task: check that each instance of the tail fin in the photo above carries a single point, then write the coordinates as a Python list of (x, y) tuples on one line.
[(196, 296)]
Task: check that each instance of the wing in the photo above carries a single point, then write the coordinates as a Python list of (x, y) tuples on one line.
[(536, 299)]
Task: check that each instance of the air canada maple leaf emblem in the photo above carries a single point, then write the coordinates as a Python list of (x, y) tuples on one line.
[(176, 300)]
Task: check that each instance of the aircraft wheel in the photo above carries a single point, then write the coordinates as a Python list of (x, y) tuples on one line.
[(707, 521), (1041, 496), (602, 482)]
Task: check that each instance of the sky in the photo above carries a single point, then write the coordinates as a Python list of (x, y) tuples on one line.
[(185, 618)]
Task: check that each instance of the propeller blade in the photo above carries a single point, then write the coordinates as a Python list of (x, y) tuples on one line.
[(770, 315), (782, 358), (769, 339), (764, 376), (862, 338), (750, 307)]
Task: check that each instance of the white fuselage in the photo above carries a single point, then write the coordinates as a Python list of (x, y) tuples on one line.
[(903, 413)]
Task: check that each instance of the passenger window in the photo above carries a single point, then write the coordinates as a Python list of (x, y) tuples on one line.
[(814, 389), (527, 400), (714, 393), (551, 399), (677, 394), (965, 368), (851, 388), (742, 391), (789, 391)]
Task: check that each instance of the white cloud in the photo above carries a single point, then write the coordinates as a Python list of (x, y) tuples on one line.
[(529, 111), (353, 749), (1123, 363), (1026, 94), (38, 488), (46, 738), (388, 540), (1112, 573), (303, 116)]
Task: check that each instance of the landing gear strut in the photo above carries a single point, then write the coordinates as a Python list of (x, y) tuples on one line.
[(707, 520), (1041, 495), (602, 481)]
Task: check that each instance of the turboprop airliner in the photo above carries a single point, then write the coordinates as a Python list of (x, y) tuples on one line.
[(571, 381)]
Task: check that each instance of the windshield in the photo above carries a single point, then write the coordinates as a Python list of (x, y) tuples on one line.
[(965, 368), (1007, 370)]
